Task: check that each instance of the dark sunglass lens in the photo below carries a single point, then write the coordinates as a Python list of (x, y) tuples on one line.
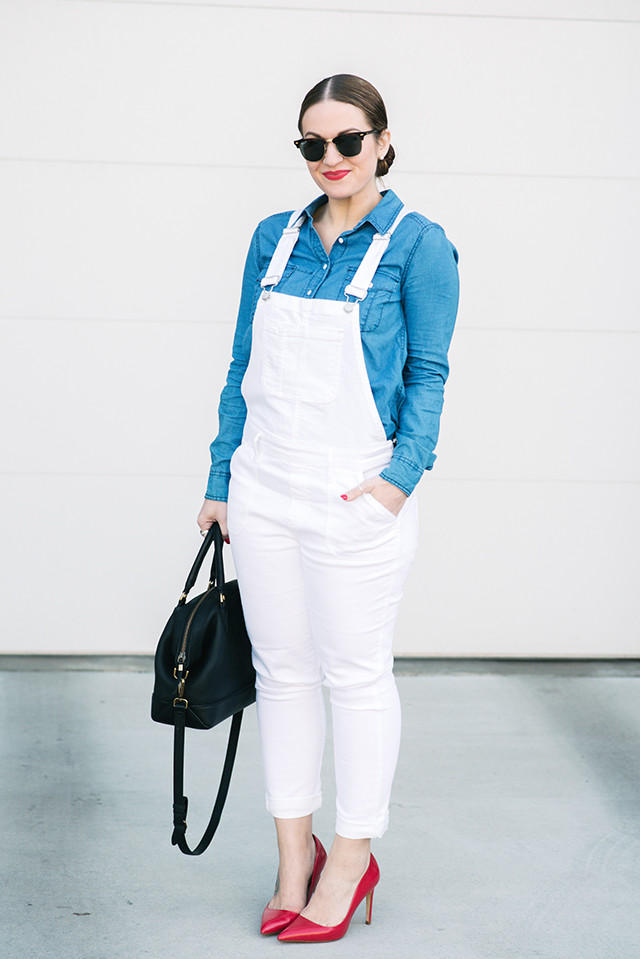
[(348, 144), (312, 150)]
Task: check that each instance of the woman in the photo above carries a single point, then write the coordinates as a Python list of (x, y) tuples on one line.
[(329, 417)]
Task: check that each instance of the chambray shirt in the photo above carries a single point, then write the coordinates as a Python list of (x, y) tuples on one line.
[(406, 324)]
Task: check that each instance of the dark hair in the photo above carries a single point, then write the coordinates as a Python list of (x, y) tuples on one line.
[(347, 88)]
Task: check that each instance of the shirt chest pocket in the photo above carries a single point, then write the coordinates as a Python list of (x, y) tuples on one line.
[(383, 293)]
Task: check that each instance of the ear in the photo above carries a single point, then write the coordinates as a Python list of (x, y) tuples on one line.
[(384, 142)]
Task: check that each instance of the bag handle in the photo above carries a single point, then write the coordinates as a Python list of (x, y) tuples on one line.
[(214, 535)]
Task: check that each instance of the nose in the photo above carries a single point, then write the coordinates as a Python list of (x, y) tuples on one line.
[(332, 156)]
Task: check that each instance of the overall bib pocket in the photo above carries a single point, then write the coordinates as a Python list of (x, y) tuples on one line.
[(301, 363)]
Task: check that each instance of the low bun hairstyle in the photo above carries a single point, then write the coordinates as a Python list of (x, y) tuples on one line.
[(383, 165), (347, 88)]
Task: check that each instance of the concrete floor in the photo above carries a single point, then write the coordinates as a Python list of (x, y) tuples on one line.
[(515, 823)]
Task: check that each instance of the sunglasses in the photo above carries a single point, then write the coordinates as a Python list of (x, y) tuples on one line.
[(347, 145)]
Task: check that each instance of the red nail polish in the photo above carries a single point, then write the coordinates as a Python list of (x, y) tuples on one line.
[(227, 540), (343, 496)]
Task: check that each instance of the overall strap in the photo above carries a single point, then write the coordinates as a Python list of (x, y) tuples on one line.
[(359, 286), (284, 249)]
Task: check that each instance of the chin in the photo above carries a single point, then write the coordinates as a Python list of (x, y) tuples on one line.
[(340, 189)]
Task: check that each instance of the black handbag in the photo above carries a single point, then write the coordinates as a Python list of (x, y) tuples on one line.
[(203, 675)]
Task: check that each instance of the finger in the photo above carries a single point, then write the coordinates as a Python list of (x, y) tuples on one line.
[(225, 534), (353, 493)]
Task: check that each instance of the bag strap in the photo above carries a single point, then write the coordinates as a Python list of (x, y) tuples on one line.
[(180, 801)]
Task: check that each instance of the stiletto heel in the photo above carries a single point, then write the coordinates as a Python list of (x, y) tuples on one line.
[(303, 930), (275, 920), (367, 918)]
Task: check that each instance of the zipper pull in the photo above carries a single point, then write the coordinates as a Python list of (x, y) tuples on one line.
[(180, 674)]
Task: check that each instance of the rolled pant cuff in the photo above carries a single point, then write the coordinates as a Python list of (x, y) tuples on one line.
[(362, 830), (293, 808)]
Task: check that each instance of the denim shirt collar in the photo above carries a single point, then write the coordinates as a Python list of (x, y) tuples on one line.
[(380, 218)]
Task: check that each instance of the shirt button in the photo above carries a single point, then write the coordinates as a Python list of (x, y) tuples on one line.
[(324, 266), (340, 240), (308, 292)]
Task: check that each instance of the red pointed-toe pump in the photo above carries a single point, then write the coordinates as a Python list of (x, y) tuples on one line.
[(275, 920), (303, 930)]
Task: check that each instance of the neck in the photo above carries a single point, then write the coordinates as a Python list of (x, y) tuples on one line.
[(343, 214)]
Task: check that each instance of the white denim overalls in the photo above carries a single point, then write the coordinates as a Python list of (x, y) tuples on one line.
[(320, 578)]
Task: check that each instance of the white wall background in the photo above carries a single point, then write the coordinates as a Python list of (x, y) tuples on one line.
[(139, 144)]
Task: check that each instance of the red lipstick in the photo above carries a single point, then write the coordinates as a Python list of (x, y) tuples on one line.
[(335, 174)]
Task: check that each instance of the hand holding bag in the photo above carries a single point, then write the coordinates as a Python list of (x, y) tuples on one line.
[(203, 675)]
